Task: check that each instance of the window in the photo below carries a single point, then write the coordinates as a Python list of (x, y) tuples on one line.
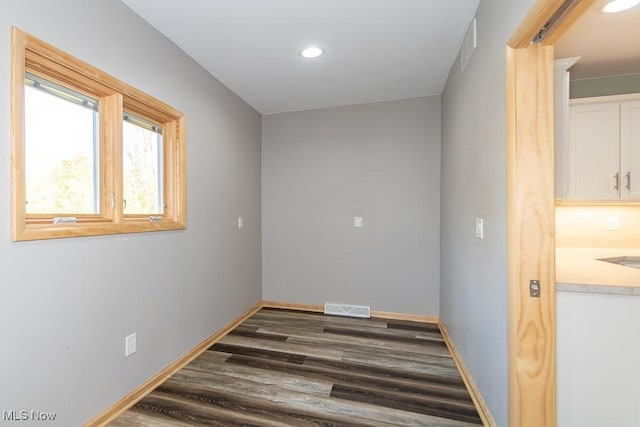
[(91, 154), (142, 166), (61, 157)]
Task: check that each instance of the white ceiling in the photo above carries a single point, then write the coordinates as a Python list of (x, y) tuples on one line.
[(607, 44), (376, 50)]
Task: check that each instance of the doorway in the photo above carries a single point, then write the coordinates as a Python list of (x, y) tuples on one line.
[(531, 211)]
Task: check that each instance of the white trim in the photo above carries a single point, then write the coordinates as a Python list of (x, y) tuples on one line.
[(605, 99)]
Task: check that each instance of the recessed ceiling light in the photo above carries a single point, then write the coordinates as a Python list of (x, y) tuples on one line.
[(314, 52), (616, 6)]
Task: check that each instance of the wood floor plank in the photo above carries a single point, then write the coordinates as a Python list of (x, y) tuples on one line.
[(318, 340), (212, 357), (317, 318), (319, 327), (463, 411), (427, 357), (184, 410), (282, 380), (348, 375), (437, 401), (364, 412), (450, 380), (398, 363), (213, 381), (389, 334), (413, 326), (319, 322), (269, 412), (133, 418), (302, 350), (257, 352), (254, 333), (289, 368)]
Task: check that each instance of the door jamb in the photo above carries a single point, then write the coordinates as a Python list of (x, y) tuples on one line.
[(531, 216)]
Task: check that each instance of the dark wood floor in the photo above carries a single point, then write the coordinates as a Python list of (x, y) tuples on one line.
[(289, 368)]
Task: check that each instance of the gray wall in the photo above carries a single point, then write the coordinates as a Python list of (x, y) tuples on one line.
[(473, 302), (320, 168), (602, 86), (67, 305)]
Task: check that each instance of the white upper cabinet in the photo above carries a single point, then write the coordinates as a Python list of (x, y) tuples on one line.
[(561, 83), (594, 152), (630, 149), (603, 149)]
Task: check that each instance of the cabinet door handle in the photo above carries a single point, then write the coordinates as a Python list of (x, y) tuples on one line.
[(617, 178), (628, 176)]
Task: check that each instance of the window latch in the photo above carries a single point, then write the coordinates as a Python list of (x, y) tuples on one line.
[(65, 220)]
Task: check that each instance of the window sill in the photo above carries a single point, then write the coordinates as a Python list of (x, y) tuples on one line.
[(57, 231)]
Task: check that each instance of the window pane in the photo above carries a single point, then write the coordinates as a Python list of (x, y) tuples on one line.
[(61, 149), (142, 167)]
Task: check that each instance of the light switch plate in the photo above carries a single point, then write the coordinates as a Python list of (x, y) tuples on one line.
[(130, 345), (240, 222), (357, 221), (480, 228)]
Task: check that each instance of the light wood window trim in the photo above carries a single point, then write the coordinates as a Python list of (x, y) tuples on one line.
[(32, 55)]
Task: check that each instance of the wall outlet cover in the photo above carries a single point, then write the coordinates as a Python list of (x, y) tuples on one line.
[(613, 223), (480, 228), (130, 345)]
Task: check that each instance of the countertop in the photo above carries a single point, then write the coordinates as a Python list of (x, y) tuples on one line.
[(580, 266)]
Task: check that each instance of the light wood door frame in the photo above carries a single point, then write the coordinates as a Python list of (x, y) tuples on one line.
[(531, 216)]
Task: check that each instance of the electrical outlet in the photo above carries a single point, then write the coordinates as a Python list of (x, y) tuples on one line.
[(480, 228), (130, 345), (613, 223), (357, 221)]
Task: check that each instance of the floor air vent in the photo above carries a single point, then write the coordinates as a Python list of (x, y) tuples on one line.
[(347, 310)]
